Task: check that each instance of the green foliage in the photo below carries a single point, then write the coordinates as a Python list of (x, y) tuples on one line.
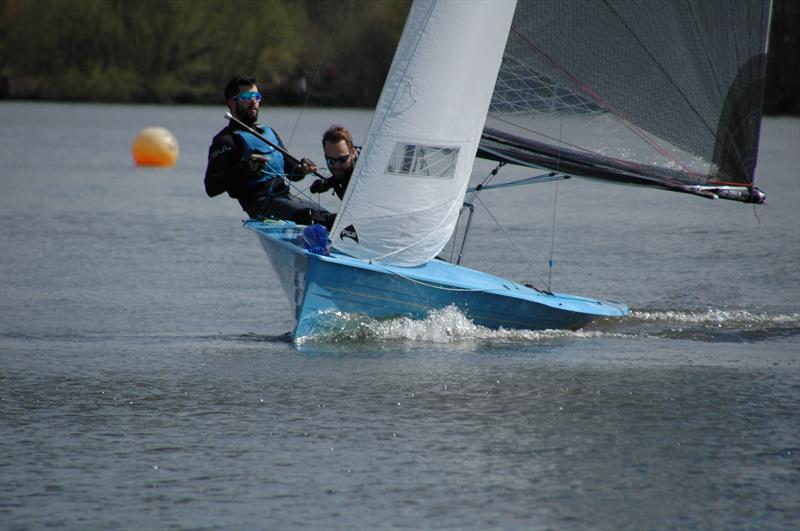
[(185, 50)]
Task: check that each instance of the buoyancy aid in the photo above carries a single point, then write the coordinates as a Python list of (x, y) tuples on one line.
[(274, 168)]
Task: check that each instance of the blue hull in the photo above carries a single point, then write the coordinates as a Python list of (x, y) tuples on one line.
[(317, 284)]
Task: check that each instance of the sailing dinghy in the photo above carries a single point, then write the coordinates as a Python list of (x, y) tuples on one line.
[(531, 84)]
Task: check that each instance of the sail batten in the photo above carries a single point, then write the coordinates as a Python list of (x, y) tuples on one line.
[(661, 93)]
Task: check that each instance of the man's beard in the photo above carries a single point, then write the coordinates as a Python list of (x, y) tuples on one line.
[(245, 116)]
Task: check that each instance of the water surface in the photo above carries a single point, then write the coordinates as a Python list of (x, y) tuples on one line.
[(146, 380)]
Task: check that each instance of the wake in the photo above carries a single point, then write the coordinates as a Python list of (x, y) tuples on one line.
[(449, 325)]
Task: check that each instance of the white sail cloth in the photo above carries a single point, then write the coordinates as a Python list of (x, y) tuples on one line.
[(403, 199)]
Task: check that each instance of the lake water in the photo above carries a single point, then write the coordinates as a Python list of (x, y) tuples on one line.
[(146, 381)]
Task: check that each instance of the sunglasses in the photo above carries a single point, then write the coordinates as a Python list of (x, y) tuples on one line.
[(339, 160), (247, 96)]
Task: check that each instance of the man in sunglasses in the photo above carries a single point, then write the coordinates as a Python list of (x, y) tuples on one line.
[(253, 171), (341, 156)]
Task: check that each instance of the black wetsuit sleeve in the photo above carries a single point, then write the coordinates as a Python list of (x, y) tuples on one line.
[(223, 172), (340, 186)]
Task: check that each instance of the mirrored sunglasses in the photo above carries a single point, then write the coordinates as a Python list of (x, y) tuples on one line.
[(247, 96)]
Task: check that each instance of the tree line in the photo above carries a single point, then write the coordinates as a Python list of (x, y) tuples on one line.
[(162, 51), (183, 51)]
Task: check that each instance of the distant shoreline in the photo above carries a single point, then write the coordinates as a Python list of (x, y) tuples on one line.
[(776, 110)]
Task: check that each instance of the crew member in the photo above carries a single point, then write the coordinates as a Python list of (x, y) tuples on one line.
[(340, 156), (251, 170)]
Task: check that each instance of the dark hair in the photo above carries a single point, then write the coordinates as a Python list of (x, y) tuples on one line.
[(232, 88), (337, 133)]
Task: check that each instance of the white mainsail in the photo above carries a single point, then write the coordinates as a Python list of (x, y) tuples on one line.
[(403, 199)]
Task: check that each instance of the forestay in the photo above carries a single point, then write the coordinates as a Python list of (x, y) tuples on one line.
[(665, 93), (402, 202)]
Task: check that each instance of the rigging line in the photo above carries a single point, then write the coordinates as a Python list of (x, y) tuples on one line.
[(305, 102), (636, 130), (534, 179), (511, 241), (310, 90), (474, 194), (470, 199), (452, 241), (552, 240), (755, 213), (555, 210), (303, 193), (486, 180), (454, 236)]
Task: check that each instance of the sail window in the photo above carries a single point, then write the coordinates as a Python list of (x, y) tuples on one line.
[(423, 161)]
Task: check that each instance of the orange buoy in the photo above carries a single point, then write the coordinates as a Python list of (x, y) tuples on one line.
[(155, 146)]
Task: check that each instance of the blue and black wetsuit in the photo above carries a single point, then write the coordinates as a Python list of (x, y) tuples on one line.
[(262, 194)]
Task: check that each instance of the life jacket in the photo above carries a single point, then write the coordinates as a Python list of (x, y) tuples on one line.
[(254, 145)]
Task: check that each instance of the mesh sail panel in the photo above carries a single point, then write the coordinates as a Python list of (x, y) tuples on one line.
[(664, 92)]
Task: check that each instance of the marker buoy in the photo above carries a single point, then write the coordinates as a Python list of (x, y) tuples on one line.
[(155, 146)]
